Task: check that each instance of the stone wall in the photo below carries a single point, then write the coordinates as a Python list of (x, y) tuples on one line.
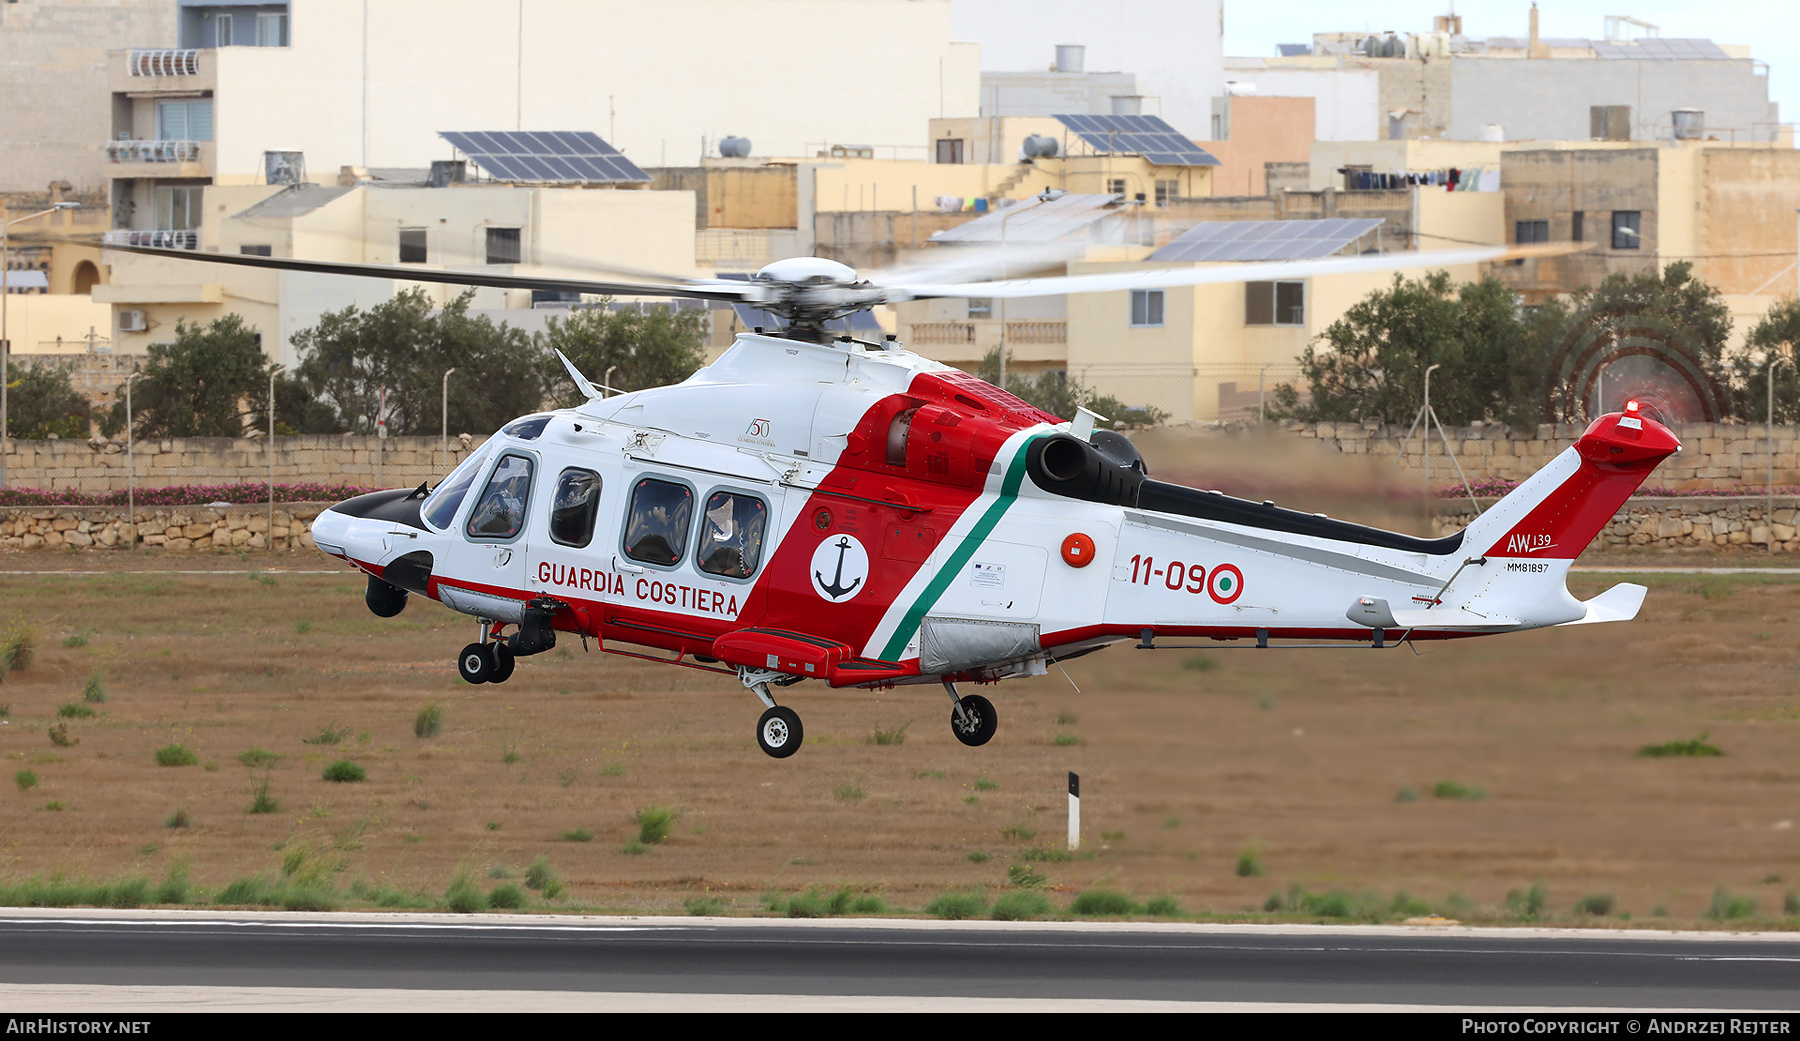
[(195, 528), (1713, 455), (98, 465)]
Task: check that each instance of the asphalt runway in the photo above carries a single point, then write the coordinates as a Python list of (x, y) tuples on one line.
[(93, 961)]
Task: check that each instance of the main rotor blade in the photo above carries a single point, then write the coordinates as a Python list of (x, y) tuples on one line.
[(746, 292), (1168, 278)]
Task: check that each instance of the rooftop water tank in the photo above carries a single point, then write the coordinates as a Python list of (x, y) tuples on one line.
[(1071, 57), (734, 147)]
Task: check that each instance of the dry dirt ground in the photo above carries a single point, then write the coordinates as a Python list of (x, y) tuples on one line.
[(1188, 759)]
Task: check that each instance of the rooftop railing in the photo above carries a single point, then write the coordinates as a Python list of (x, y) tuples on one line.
[(153, 151), (154, 238)]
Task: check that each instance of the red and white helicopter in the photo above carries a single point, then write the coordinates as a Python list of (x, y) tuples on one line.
[(826, 508)]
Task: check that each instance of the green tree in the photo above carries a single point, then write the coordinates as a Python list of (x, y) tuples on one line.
[(41, 401), (1778, 333), (641, 347), (202, 384), (1058, 395), (404, 346), (1371, 362)]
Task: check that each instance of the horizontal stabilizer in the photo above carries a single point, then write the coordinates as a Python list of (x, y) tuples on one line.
[(1618, 604)]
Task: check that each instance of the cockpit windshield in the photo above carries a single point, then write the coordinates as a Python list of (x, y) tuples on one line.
[(440, 508)]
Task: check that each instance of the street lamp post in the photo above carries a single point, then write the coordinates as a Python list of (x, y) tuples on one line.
[(1044, 196), (269, 536), (130, 465), (6, 288), (1769, 515), (444, 434)]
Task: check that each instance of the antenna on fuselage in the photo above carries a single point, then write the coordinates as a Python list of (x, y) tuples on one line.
[(582, 383)]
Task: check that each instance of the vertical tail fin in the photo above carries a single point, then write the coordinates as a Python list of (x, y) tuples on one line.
[(1561, 508)]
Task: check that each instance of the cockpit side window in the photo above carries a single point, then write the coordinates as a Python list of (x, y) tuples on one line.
[(574, 506), (527, 429), (447, 498), (731, 536), (656, 531), (500, 512)]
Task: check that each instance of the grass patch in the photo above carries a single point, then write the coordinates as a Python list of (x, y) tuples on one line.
[(1597, 904), (578, 835), (704, 906), (1021, 876), (1104, 902), (892, 736), (977, 857), (957, 906), (613, 770), (259, 891), (1064, 740), (1112, 836), (1020, 907), (175, 755), (1067, 719), (257, 757), (1727, 905), (60, 891), (1456, 790), (94, 690), (329, 734), (654, 823), (26, 780), (18, 645), (1249, 861), (850, 792), (1696, 748), (260, 799), (1528, 903), (506, 897), (982, 784), (463, 897), (78, 638), (345, 772), (430, 721), (1200, 663), (538, 876), (1407, 793), (76, 710), (1019, 832), (1164, 906), (1044, 854), (634, 848), (59, 736), (179, 819)]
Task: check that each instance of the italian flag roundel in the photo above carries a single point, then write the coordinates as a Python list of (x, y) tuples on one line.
[(1225, 583)]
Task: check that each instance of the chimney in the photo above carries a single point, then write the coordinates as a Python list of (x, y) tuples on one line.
[(1538, 48)]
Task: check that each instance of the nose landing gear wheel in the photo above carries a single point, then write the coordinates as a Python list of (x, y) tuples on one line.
[(976, 723), (477, 664), (779, 732)]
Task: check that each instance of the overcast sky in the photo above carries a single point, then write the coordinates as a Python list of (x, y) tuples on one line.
[(1772, 30)]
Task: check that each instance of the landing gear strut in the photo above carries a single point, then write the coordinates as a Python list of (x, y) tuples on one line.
[(778, 732), (488, 660), (972, 717)]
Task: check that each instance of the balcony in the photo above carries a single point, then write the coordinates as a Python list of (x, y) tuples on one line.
[(1027, 340), (164, 62), (164, 238), (160, 159), (150, 71)]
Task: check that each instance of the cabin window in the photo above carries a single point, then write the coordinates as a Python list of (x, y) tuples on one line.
[(574, 506), (500, 512), (527, 429), (731, 536), (656, 531)]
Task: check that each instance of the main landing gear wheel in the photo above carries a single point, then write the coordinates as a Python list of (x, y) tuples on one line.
[(779, 732), (477, 663), (975, 723), (504, 660)]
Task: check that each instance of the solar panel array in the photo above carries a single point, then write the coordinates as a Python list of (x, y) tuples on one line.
[(1658, 49), (1264, 240), (1147, 136), (1052, 221), (546, 156)]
